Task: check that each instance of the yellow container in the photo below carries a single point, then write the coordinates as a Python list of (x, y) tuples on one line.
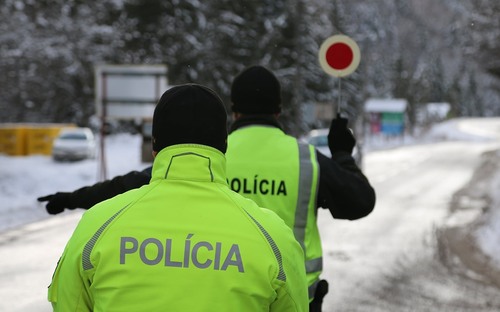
[(12, 140), (29, 139), (39, 141)]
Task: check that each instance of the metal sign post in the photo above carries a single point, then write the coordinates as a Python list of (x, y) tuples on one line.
[(126, 92)]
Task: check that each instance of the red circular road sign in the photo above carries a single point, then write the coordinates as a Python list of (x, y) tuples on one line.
[(339, 56)]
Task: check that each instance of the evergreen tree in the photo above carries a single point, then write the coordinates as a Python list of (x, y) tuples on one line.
[(49, 50)]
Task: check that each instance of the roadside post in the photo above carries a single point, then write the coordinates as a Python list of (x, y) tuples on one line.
[(127, 92)]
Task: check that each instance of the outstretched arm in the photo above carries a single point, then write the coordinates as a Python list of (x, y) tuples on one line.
[(88, 196)]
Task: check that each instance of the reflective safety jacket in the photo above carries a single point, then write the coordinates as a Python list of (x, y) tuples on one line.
[(277, 172), (184, 242)]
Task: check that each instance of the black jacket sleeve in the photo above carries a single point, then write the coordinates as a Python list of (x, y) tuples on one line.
[(343, 188), (88, 196)]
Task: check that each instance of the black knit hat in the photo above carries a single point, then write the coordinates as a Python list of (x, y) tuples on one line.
[(190, 113), (256, 91)]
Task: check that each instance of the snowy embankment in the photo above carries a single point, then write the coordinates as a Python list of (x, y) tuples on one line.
[(475, 209), (488, 235), (24, 179)]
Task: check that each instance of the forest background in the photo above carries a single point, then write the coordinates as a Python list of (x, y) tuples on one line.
[(421, 50)]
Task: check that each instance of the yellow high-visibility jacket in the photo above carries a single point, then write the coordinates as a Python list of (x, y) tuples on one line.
[(184, 242), (277, 172)]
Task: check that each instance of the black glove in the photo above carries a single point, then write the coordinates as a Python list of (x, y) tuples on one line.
[(319, 294), (56, 202), (340, 138)]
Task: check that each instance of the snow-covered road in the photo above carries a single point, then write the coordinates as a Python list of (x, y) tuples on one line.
[(28, 256), (414, 186)]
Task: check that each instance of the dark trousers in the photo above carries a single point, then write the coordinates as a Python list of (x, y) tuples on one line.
[(321, 291)]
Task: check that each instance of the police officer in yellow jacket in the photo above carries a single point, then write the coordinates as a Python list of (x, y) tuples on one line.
[(185, 241), (276, 171)]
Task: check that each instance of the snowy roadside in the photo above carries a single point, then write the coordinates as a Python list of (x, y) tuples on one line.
[(469, 236), (24, 179)]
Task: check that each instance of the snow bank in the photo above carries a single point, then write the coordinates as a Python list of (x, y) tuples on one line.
[(24, 179)]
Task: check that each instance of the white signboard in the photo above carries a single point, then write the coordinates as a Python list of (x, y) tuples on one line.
[(129, 91)]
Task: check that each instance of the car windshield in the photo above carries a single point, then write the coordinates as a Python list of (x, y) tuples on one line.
[(321, 140), (73, 136)]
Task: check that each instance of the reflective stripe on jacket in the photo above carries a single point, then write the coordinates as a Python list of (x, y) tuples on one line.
[(184, 242), (279, 173)]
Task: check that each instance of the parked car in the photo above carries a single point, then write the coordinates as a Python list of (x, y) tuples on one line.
[(74, 144), (319, 138)]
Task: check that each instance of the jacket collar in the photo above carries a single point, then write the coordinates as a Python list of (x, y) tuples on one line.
[(252, 120), (192, 162)]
